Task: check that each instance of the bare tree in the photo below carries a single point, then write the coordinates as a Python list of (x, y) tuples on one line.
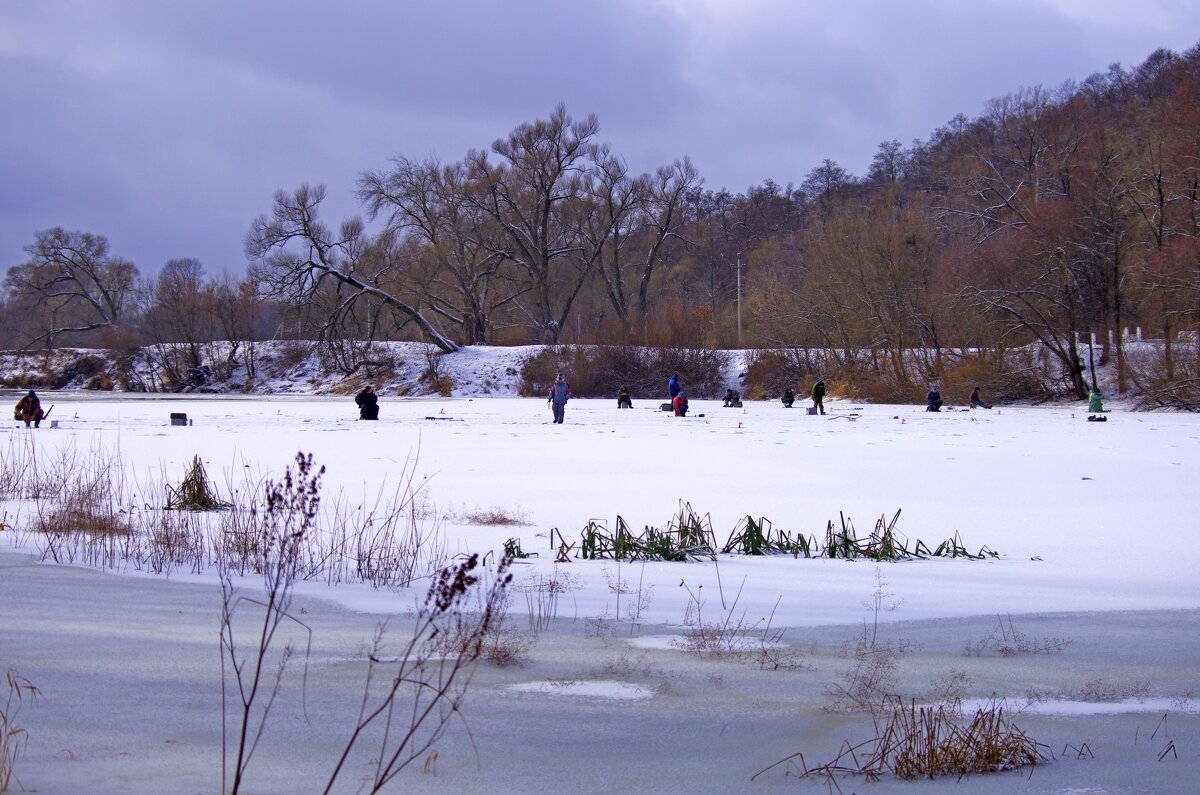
[(641, 217), (76, 285), (178, 320), (537, 196), (468, 282), (298, 255)]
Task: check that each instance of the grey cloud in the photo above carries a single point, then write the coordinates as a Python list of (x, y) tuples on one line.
[(167, 126)]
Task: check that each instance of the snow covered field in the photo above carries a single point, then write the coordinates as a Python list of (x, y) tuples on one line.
[(1096, 525)]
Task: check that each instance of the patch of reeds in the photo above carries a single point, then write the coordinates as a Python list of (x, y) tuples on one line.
[(757, 537), (917, 742), (195, 492), (512, 549), (689, 536)]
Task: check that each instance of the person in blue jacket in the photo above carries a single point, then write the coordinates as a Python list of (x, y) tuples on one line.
[(560, 393), (673, 387)]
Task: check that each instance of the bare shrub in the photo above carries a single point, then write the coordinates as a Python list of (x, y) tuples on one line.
[(1099, 690), (871, 677), (173, 540), (256, 675), (1008, 378), (542, 594), (628, 666), (713, 639), (428, 683), (286, 356), (638, 597), (439, 382), (1165, 373), (392, 542), (770, 371), (949, 690), (1008, 641), (17, 466), (496, 516), (82, 518), (860, 382), (598, 371), (85, 514), (497, 642)]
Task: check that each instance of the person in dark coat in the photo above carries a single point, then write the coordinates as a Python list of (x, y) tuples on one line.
[(29, 410), (680, 404), (789, 397), (673, 387), (624, 400), (818, 396), (977, 401), (368, 403), (733, 398), (560, 393), (933, 401)]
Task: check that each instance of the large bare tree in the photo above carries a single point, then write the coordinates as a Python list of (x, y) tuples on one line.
[(537, 195), (298, 256), (641, 217), (72, 283), (468, 283)]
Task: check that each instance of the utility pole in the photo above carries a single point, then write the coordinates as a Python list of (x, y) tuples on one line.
[(739, 298)]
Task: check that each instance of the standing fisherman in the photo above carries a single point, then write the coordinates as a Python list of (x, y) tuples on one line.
[(560, 393)]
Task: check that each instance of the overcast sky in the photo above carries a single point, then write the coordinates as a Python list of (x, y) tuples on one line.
[(168, 125)]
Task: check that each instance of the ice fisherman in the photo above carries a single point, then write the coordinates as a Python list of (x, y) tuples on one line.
[(560, 393), (933, 401), (789, 397), (977, 401), (624, 400), (29, 410), (673, 388), (818, 396), (368, 403), (680, 404)]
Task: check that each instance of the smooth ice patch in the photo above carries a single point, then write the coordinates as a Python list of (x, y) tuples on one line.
[(1066, 707), (681, 642), (597, 688)]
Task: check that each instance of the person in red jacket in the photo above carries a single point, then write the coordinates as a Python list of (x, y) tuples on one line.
[(680, 403)]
